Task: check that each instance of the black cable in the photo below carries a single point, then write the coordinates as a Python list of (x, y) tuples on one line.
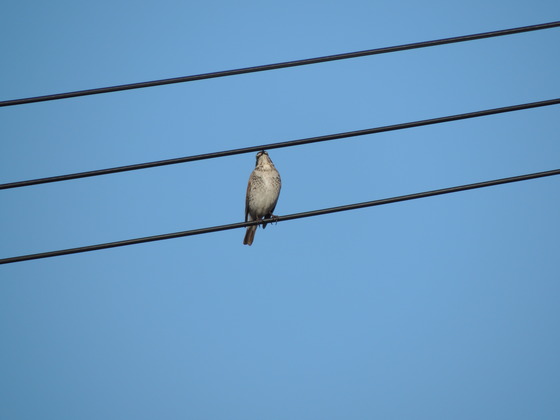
[(281, 218), (282, 65), (185, 159)]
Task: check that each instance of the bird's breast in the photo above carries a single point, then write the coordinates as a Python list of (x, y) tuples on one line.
[(265, 188)]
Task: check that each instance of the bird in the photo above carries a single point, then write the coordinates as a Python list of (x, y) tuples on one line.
[(262, 194)]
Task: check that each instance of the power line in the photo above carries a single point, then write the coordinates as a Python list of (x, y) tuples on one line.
[(282, 65), (281, 218), (270, 146)]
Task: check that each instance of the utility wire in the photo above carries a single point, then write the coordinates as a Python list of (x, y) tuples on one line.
[(281, 218), (270, 146), (281, 65)]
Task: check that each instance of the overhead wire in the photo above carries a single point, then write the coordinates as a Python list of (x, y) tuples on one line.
[(281, 65), (275, 219), (278, 145)]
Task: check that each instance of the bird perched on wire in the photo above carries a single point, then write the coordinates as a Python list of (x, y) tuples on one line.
[(262, 194)]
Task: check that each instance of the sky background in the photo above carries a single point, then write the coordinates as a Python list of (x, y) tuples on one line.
[(444, 307)]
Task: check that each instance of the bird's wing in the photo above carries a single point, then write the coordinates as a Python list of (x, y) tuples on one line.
[(247, 201)]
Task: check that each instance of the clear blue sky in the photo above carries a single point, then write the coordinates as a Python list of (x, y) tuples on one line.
[(438, 308)]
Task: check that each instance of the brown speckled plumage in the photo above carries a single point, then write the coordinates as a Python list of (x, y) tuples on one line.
[(262, 194)]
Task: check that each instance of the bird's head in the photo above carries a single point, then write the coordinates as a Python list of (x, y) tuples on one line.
[(262, 156)]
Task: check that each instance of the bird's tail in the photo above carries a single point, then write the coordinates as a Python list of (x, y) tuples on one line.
[(250, 235)]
